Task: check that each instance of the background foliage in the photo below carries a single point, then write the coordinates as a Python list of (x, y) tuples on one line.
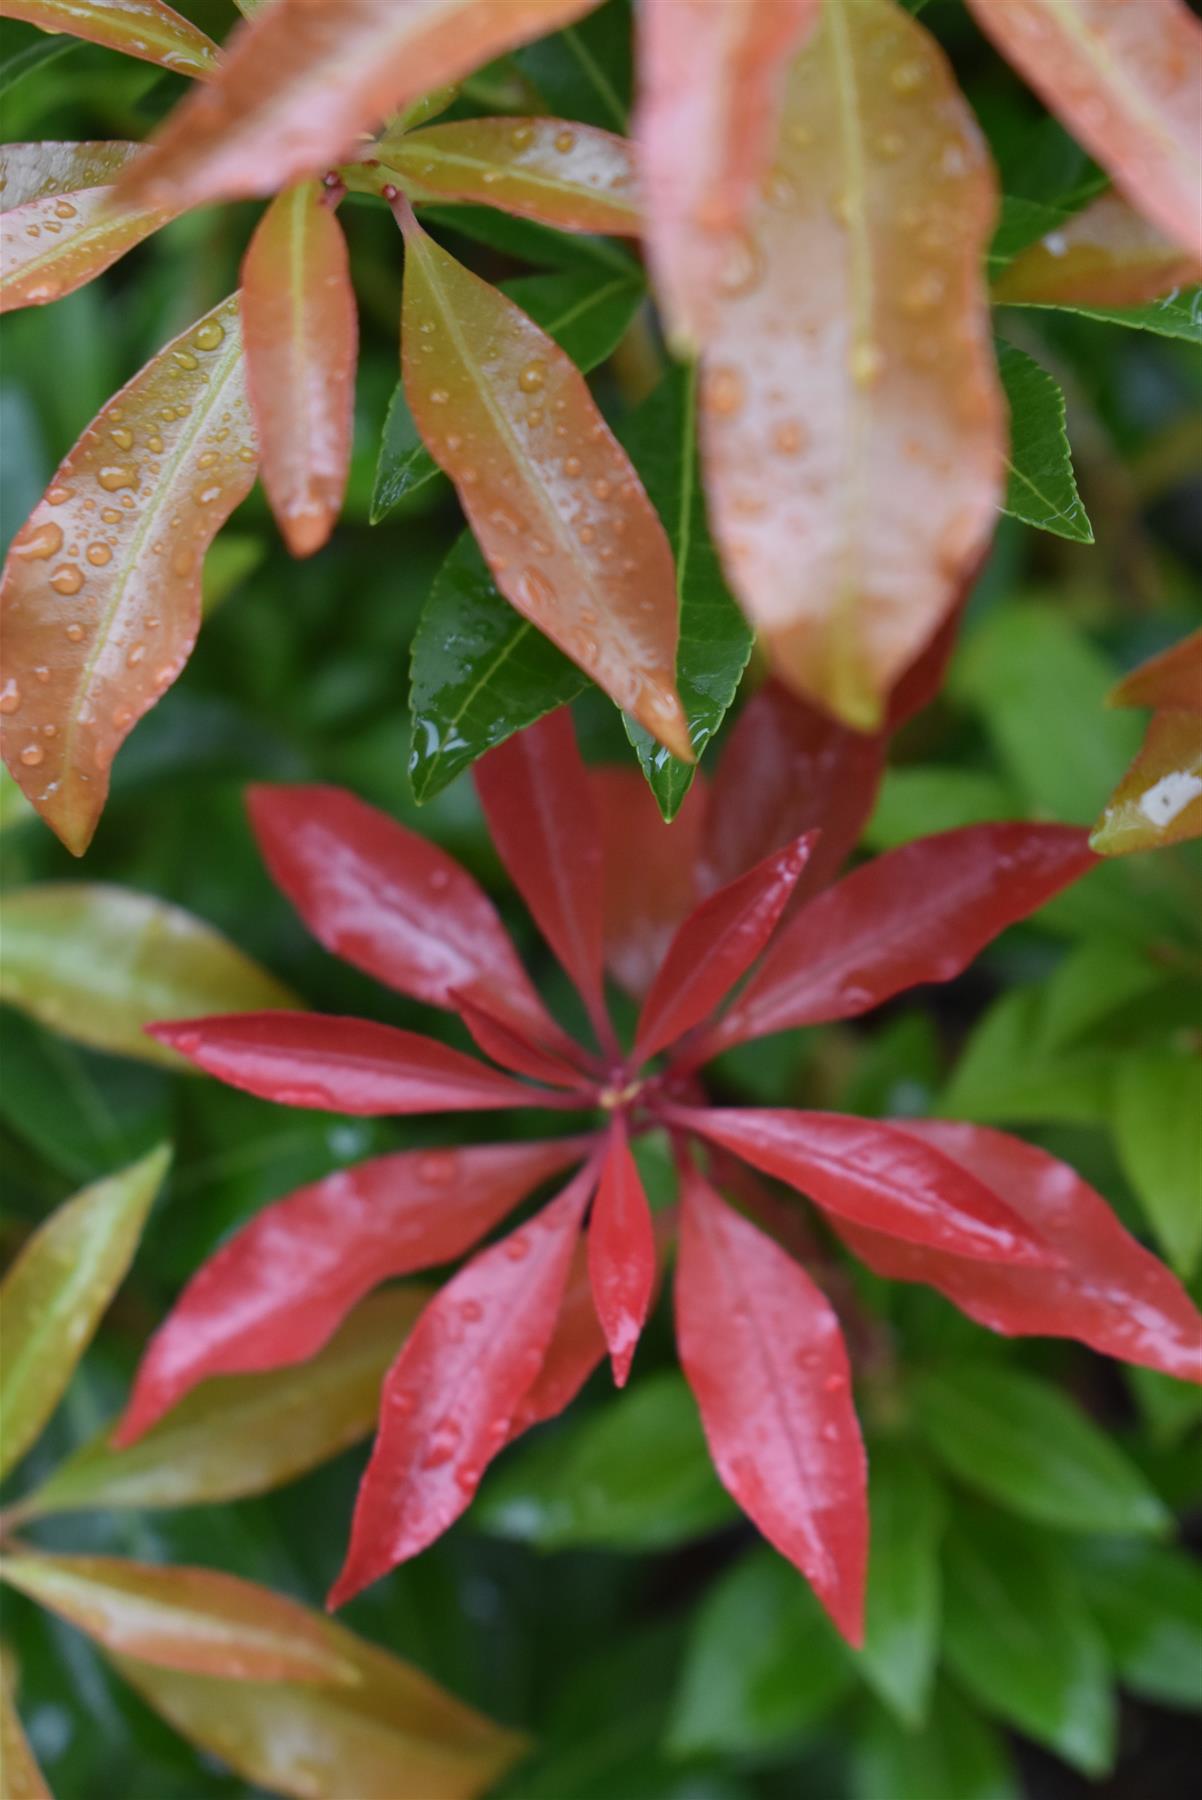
[(601, 1593)]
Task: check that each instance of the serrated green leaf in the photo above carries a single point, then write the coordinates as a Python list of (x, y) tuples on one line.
[(1018, 1637), (958, 1756), (1018, 1441), (1176, 315), (479, 672), (1042, 488), (56, 1292), (901, 1641), (1022, 222), (1158, 1131), (1147, 1601), (715, 639), (762, 1664)]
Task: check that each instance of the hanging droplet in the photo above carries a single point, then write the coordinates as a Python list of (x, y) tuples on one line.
[(74, 633)]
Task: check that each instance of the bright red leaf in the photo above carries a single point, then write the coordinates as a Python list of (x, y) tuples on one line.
[(650, 871), (517, 1051), (763, 1353), (621, 1252), (577, 1347), (276, 1291), (450, 1397), (301, 332)]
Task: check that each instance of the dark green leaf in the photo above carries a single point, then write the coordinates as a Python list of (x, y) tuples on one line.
[(583, 72), (1158, 1126), (1148, 1602), (532, 243), (1176, 315), (21, 63), (1042, 489), (956, 1757), (1004, 1075), (916, 800), (902, 1638), (715, 640), (1022, 223)]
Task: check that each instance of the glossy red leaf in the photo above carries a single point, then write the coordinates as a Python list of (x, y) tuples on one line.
[(874, 1174), (761, 1348), (302, 339), (516, 1051), (621, 1252), (542, 817), (1125, 79), (51, 246), (392, 903), (1105, 255), (711, 82), (450, 1397), (345, 1065), (144, 28), (300, 83), (1173, 679), (853, 427), (574, 177), (717, 944), (1108, 1291), (276, 1291), (577, 1347), (553, 500), (101, 590), (919, 913), (650, 873), (1159, 800)]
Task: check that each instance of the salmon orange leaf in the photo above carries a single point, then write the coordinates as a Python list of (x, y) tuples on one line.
[(553, 501), (1173, 679), (33, 171), (1159, 800), (1042, 488), (1106, 255), (715, 641), (101, 590), (300, 84), (144, 28), (59, 227), (1124, 79), (852, 421), (301, 334)]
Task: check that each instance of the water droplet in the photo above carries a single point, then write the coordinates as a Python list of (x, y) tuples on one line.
[(10, 698), (111, 516), (64, 210), (123, 437), (517, 1248), (57, 494), (438, 1167), (470, 1311), (42, 674), (532, 376), (204, 493), (741, 269), (602, 489), (586, 534), (788, 438), (67, 580), (38, 542), (75, 633), (439, 396), (136, 655), (890, 145), (99, 554), (184, 359), (571, 465), (123, 716), (907, 77), (32, 755), (117, 475), (521, 135), (724, 392), (865, 362), (207, 460), (924, 292), (467, 1477), (454, 441), (246, 455), (209, 335), (565, 141)]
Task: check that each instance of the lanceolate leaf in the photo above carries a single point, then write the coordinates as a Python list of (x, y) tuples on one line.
[(1159, 800), (853, 429), (40, 170), (274, 1292), (774, 1391), (1105, 255), (480, 672), (1175, 315), (144, 28), (621, 1250), (571, 176), (300, 83), (577, 1347), (712, 81), (555, 505), (1173, 679), (180, 1618), (1042, 488), (1107, 1291), (57, 1290), (1158, 1105), (99, 964), (51, 245), (1124, 79), (715, 641), (450, 1398), (301, 331), (101, 591), (901, 1640), (22, 1776), (239, 1435)]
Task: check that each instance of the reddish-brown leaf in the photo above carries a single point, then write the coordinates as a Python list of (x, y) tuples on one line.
[(1172, 680), (343, 1065), (1124, 76), (577, 1346), (144, 28), (52, 246), (101, 590), (23, 1780), (1105, 255), (301, 332), (450, 1397), (1107, 1290), (621, 1253), (711, 81), (852, 422), (575, 177), (515, 1050), (1159, 799), (649, 871), (33, 171), (555, 503), (300, 83), (180, 1618), (762, 1351)]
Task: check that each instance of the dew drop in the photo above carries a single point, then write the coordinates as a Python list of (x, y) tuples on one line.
[(439, 396), (565, 141), (923, 293), (438, 1167), (204, 493), (907, 77), (123, 437), (209, 335), (184, 359), (67, 580), (602, 489), (724, 392), (136, 655), (532, 376), (64, 210), (586, 534), (57, 494), (75, 633), (32, 755), (571, 465), (520, 136), (99, 554), (36, 544), (117, 475), (517, 1248), (123, 716), (471, 1311), (207, 460), (42, 674), (788, 438), (741, 270), (10, 698), (890, 145)]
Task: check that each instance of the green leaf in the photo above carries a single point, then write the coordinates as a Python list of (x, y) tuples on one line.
[(634, 1476), (715, 639), (404, 465), (244, 1434), (916, 801), (1004, 1074), (1147, 1601), (763, 1662), (583, 72), (956, 1757), (1018, 1441), (1017, 1636), (533, 243), (98, 963), (1021, 223), (1158, 1131), (1169, 1408), (56, 1292), (1042, 489), (1176, 315), (902, 1638), (1096, 979), (480, 672), (21, 63)]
